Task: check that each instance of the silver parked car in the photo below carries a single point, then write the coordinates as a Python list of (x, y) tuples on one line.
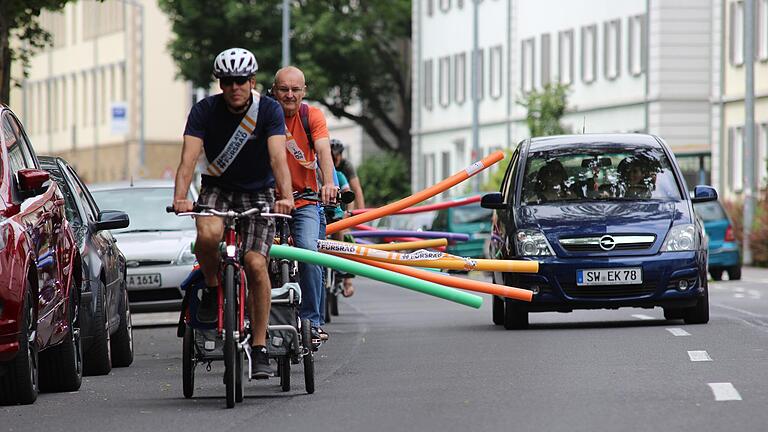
[(156, 245)]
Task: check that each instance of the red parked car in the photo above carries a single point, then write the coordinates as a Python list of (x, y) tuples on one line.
[(40, 276)]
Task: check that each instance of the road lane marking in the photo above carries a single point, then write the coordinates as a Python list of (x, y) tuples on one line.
[(739, 289), (755, 294), (738, 295), (643, 317), (676, 331), (698, 356), (724, 391)]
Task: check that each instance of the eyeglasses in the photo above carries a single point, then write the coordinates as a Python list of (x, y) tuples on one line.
[(228, 81), (295, 90)]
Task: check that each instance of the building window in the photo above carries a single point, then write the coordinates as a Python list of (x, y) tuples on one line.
[(546, 74), (430, 7), (428, 71), (736, 144), (636, 45), (478, 62), (429, 169), (565, 57), (444, 81), (100, 19), (736, 23), (612, 48), (762, 30), (103, 95), (460, 78), (445, 5), (527, 66), (495, 67), (588, 53)]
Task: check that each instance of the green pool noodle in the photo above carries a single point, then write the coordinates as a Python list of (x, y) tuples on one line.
[(348, 266)]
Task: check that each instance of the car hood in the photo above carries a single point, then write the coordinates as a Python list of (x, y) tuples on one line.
[(155, 245), (600, 218)]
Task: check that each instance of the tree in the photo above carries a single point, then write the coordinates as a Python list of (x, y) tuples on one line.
[(545, 109), (20, 18), (353, 53), (382, 179)]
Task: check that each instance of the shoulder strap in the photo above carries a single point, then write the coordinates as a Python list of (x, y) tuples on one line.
[(304, 116)]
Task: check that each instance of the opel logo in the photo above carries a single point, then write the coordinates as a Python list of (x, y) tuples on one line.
[(607, 243)]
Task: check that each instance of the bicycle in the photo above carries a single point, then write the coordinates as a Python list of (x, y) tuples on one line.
[(231, 327)]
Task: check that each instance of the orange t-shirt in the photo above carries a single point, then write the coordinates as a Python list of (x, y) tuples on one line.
[(301, 176)]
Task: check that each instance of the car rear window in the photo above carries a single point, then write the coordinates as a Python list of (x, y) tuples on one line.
[(599, 173), (145, 207), (709, 211)]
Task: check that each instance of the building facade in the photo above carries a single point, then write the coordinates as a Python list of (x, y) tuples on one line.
[(728, 76), (631, 66)]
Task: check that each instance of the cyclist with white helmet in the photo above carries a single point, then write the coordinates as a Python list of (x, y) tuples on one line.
[(238, 140)]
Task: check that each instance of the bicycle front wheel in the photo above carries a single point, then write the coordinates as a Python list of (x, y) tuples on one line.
[(230, 343)]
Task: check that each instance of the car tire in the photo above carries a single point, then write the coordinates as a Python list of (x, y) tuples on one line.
[(498, 310), (698, 314), (122, 340), (734, 273), (61, 366), (98, 360), (19, 383), (673, 314), (515, 316), (716, 273)]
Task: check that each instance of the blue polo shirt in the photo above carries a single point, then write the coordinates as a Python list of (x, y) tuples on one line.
[(211, 121)]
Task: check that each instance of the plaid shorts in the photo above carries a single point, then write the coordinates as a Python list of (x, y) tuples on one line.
[(256, 233)]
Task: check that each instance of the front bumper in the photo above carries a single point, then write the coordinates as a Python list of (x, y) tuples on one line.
[(555, 285), (166, 297)]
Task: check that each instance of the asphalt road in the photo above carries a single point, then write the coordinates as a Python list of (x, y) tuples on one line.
[(400, 361)]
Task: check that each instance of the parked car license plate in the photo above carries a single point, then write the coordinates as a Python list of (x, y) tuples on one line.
[(151, 280), (616, 276)]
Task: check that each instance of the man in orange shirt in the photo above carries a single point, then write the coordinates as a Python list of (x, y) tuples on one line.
[(308, 223)]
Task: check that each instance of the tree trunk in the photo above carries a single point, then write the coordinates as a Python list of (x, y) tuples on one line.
[(5, 58)]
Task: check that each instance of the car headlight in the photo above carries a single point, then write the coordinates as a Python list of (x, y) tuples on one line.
[(532, 243), (186, 257), (680, 238)]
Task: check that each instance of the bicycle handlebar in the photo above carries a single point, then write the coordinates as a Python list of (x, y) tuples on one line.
[(344, 197), (201, 210)]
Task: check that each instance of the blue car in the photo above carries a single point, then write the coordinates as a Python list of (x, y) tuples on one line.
[(724, 252), (609, 219)]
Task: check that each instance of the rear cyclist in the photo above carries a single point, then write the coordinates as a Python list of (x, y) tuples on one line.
[(239, 139)]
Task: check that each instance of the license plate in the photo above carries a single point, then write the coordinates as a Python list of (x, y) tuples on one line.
[(151, 280), (617, 276)]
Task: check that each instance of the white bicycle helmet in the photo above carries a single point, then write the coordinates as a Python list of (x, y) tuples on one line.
[(235, 62)]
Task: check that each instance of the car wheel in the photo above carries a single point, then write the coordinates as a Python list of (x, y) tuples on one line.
[(19, 383), (498, 310), (515, 316), (61, 366), (698, 314), (122, 341), (716, 273), (98, 360), (734, 273), (673, 314)]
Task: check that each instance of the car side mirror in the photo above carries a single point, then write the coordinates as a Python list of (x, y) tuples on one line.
[(703, 193), (32, 182), (111, 219), (493, 200)]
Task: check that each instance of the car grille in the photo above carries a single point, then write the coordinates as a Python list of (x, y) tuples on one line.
[(147, 263), (622, 243), (637, 290)]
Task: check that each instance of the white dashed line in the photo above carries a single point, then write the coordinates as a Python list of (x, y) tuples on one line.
[(643, 317), (699, 356), (738, 295), (724, 391), (678, 332), (754, 294), (739, 289)]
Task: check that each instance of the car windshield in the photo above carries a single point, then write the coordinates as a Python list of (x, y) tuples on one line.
[(145, 208), (599, 173), (472, 213), (709, 211)]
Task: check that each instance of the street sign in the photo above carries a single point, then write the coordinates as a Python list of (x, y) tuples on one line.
[(118, 118)]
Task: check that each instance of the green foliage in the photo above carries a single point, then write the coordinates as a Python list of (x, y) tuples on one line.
[(353, 53), (758, 237), (384, 178), (545, 109), (493, 184), (20, 18)]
